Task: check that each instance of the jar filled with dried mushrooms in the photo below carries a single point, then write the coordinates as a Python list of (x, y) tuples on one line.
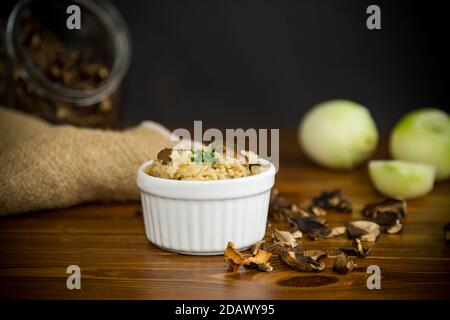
[(66, 72)]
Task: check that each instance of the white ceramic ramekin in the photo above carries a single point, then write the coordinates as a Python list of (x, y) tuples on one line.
[(200, 217)]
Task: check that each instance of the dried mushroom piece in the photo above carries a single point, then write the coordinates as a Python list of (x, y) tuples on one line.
[(255, 168), (307, 224), (343, 264), (357, 249), (277, 215), (295, 231), (297, 234), (277, 247), (364, 230), (317, 211), (337, 231), (236, 259), (326, 233), (319, 234), (233, 257), (254, 249), (331, 200), (164, 155), (394, 228), (280, 209), (387, 218), (302, 262), (316, 229), (317, 255), (388, 214), (284, 237), (266, 267), (373, 210), (261, 260)]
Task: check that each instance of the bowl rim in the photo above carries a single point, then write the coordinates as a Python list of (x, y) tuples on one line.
[(206, 189), (269, 171)]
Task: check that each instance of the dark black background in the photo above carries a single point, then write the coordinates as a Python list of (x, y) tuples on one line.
[(264, 63), (330, 309)]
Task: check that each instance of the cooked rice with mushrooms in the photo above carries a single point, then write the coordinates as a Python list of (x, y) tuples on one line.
[(194, 161)]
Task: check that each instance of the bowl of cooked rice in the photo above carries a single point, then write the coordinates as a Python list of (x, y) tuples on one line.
[(197, 199)]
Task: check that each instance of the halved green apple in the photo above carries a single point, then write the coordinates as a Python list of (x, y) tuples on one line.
[(401, 179)]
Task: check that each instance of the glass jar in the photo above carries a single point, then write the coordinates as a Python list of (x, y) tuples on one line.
[(64, 75)]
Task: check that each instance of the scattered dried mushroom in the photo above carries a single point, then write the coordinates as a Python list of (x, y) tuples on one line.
[(284, 238), (364, 230), (357, 249), (312, 260), (236, 259), (256, 246), (297, 234), (280, 209), (308, 224), (386, 216), (325, 233), (316, 211), (316, 229), (342, 264), (164, 155), (331, 200), (372, 210), (260, 260), (233, 257), (395, 228)]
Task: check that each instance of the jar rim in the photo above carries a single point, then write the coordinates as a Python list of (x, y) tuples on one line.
[(111, 18)]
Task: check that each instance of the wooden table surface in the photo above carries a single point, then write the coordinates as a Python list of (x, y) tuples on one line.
[(108, 242)]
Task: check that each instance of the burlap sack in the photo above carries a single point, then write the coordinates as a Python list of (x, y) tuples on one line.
[(45, 166)]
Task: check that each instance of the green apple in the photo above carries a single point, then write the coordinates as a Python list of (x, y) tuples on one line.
[(401, 179), (424, 136), (338, 134)]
